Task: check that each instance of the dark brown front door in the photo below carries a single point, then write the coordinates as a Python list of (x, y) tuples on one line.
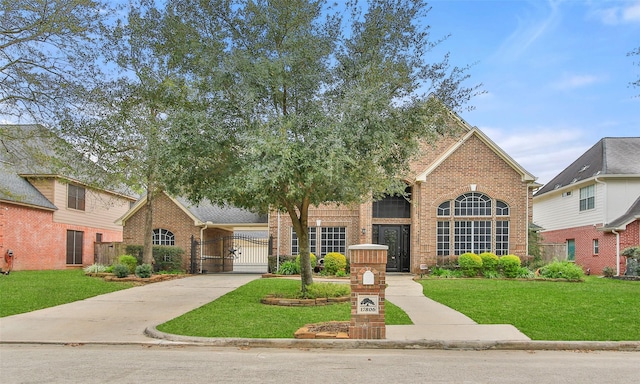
[(396, 237)]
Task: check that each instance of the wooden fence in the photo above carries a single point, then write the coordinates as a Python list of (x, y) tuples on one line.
[(555, 251), (106, 253)]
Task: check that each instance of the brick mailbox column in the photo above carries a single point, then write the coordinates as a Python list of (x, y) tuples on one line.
[(368, 282)]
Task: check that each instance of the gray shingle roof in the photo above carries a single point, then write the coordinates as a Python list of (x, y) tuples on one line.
[(609, 156), (16, 189), (205, 211)]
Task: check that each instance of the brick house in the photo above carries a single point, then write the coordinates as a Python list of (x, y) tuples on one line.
[(176, 221), (593, 205), (466, 195), (48, 220)]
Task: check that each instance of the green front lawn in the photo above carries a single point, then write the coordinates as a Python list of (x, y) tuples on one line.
[(240, 314), (26, 291), (597, 309)]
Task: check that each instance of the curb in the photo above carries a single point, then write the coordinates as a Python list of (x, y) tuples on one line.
[(477, 345)]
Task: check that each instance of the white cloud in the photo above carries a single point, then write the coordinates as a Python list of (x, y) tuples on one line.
[(629, 12), (575, 81), (543, 152), (530, 29)]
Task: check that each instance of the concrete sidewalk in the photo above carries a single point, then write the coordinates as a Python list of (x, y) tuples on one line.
[(130, 316), (434, 321), (122, 316)]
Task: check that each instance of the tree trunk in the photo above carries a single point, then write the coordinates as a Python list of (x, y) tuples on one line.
[(301, 226), (147, 250)]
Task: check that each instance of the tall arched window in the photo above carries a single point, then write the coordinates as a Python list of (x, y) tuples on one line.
[(474, 225), (163, 237)]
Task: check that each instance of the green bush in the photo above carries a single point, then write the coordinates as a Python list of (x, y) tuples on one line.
[(274, 261), (489, 262), (95, 268), (334, 262), (319, 290), (509, 266), (562, 270), (313, 258), (608, 271), (144, 270), (130, 261), (446, 273), (121, 270), (470, 264), (525, 273), (167, 258), (135, 250), (289, 268)]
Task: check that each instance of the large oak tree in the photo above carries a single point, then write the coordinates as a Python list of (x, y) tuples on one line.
[(307, 103)]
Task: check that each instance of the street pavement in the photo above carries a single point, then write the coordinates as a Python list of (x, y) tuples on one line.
[(129, 317)]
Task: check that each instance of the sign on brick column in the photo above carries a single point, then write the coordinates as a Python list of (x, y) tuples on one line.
[(368, 281)]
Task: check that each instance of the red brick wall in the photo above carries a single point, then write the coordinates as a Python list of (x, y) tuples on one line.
[(166, 215), (38, 243), (584, 237), (473, 163)]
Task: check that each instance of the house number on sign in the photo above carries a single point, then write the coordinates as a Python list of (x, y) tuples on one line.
[(368, 304)]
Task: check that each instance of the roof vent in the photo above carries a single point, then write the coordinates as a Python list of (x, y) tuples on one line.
[(574, 180), (557, 186), (584, 168)]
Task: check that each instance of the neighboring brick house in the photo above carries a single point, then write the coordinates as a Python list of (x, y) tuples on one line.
[(176, 221), (593, 205), (467, 195), (48, 220)]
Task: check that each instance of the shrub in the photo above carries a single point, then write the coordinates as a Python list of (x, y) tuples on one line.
[(289, 268), (130, 261), (525, 273), (608, 271), (470, 264), (317, 290), (562, 270), (95, 268), (167, 258), (491, 274), (489, 262), (510, 266), (275, 261), (312, 257), (144, 270), (334, 262), (121, 270)]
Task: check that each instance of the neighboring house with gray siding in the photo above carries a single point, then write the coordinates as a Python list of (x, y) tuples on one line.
[(593, 205)]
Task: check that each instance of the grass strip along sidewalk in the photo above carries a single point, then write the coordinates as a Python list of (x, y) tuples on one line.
[(594, 310), (26, 291), (240, 314)]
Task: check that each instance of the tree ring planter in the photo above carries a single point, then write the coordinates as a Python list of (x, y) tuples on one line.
[(289, 302)]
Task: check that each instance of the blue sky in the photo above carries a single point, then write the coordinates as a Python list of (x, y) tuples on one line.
[(556, 73)]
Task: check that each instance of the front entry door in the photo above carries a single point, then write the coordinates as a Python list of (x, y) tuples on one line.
[(396, 237)]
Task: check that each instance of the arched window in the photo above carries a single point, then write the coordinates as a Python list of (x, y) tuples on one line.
[(502, 208), (163, 237), (473, 204), (473, 227)]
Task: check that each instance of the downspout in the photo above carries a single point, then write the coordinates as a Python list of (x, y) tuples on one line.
[(617, 252)]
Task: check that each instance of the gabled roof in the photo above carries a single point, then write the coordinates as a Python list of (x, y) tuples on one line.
[(32, 151), (474, 131), (632, 214), (206, 213), (609, 156), (17, 190)]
